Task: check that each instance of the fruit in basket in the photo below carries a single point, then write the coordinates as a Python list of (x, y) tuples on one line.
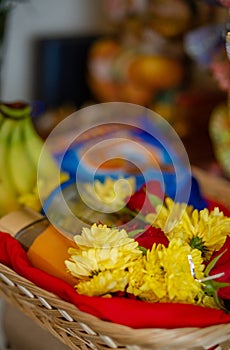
[(156, 71), (20, 148), (8, 195), (22, 171)]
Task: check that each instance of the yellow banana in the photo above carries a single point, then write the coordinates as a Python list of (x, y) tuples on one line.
[(24, 177), (48, 173), (21, 168), (8, 195), (34, 145)]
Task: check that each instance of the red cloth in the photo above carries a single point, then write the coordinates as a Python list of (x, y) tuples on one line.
[(129, 312)]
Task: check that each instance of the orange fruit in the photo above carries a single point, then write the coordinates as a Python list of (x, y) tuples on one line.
[(156, 72)]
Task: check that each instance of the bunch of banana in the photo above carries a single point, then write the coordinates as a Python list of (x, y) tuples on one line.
[(20, 149)]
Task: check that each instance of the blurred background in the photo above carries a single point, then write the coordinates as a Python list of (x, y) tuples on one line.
[(168, 55)]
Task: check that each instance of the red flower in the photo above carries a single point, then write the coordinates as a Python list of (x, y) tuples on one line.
[(150, 236), (145, 199)]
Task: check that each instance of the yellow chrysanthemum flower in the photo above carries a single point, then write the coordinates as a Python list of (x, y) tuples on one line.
[(102, 236), (101, 248), (92, 261), (147, 277), (110, 194), (108, 281), (180, 284), (168, 215), (164, 275), (106, 260), (204, 230)]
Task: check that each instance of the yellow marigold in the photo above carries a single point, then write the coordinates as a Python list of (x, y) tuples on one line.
[(110, 194), (204, 230), (108, 281), (101, 248)]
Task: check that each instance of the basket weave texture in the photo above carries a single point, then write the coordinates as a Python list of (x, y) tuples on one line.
[(79, 330)]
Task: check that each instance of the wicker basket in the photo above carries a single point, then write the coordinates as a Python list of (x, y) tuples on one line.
[(79, 330)]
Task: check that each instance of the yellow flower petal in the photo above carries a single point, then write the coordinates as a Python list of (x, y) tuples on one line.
[(101, 248), (104, 283), (210, 229), (110, 194)]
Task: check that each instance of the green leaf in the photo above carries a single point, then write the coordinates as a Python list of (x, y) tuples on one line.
[(211, 286), (213, 263)]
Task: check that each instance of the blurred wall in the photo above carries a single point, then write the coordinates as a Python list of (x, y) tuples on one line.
[(41, 18)]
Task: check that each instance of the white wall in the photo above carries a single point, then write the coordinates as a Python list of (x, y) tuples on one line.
[(34, 18)]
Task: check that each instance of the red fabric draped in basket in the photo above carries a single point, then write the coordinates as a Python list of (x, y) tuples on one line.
[(128, 312)]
